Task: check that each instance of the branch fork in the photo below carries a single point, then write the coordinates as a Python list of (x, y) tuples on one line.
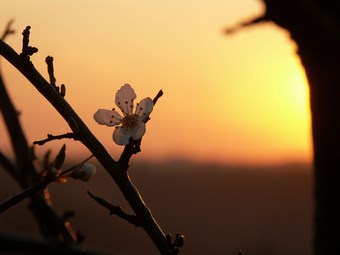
[(116, 169)]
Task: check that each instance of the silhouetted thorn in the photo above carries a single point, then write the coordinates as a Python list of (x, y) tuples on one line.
[(116, 210), (159, 94), (154, 101)]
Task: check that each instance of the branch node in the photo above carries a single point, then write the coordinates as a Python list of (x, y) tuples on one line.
[(133, 147), (50, 69), (27, 50)]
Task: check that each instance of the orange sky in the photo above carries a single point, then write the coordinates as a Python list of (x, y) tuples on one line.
[(238, 99)]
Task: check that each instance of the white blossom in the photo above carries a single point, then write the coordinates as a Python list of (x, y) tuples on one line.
[(84, 172), (130, 124)]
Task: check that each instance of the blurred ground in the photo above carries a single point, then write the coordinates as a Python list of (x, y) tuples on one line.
[(219, 209)]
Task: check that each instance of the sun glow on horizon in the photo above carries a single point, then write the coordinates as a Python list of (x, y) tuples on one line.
[(241, 99)]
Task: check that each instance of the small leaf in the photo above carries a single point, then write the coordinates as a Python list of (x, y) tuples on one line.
[(59, 160), (46, 161)]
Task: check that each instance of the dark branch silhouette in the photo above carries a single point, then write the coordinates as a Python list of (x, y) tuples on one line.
[(62, 89), (120, 176), (8, 31), (56, 137), (116, 210)]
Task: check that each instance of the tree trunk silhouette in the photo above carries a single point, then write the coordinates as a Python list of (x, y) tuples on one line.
[(315, 27)]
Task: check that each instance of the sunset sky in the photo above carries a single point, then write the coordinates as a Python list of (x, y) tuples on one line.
[(239, 99)]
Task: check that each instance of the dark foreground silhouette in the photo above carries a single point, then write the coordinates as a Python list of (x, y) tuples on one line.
[(219, 209)]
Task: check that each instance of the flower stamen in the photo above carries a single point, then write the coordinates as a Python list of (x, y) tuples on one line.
[(130, 121)]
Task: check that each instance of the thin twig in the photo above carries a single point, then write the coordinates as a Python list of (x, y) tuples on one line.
[(51, 225), (56, 137), (116, 210), (23, 155), (242, 25), (50, 70), (27, 50), (15, 199), (159, 94), (8, 30)]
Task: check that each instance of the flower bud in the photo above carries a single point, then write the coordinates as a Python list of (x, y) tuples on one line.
[(84, 172), (179, 241)]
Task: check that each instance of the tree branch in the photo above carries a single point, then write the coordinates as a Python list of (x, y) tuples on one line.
[(48, 178), (56, 137), (8, 30), (15, 199), (25, 172), (116, 210), (91, 142)]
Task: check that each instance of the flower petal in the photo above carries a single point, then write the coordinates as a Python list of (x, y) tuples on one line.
[(107, 117), (121, 135), (138, 131), (124, 99), (144, 107)]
